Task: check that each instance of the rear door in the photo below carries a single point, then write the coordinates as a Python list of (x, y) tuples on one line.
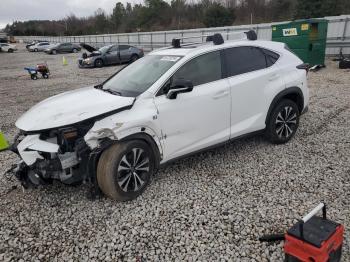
[(125, 53), (200, 118), (253, 79)]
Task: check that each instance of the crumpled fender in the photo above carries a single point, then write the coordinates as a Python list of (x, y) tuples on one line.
[(140, 119)]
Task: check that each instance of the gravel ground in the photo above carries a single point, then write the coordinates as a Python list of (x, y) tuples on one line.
[(209, 207)]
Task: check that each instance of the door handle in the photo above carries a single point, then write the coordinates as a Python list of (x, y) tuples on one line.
[(274, 77), (221, 94)]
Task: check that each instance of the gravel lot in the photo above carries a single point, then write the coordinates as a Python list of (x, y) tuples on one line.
[(209, 207)]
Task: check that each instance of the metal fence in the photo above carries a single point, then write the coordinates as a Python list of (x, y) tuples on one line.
[(338, 36)]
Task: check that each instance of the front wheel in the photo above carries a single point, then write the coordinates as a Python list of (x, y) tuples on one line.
[(75, 50), (98, 63), (10, 50), (283, 122), (125, 169), (54, 52)]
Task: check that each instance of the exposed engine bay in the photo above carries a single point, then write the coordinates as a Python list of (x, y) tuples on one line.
[(60, 154)]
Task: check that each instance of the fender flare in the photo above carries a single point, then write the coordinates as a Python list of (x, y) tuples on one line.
[(288, 91)]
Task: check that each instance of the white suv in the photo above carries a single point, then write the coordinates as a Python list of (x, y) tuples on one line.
[(171, 103)]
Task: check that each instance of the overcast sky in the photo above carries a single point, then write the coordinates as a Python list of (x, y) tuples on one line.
[(11, 10)]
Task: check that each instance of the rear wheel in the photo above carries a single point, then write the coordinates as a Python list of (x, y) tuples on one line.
[(54, 52), (134, 58), (124, 170), (283, 122), (10, 50), (36, 50), (75, 50), (98, 63)]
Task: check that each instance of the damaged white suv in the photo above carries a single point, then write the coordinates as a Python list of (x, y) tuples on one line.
[(173, 102)]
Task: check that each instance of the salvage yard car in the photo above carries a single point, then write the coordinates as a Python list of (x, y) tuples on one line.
[(5, 47), (172, 102), (108, 55), (41, 46), (62, 48)]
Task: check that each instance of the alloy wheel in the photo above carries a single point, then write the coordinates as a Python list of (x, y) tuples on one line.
[(132, 170), (286, 122)]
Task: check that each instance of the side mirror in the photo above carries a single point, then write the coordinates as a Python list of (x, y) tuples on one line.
[(179, 86)]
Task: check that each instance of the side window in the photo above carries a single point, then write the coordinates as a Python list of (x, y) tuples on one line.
[(271, 57), (240, 60), (200, 70), (113, 49), (124, 47)]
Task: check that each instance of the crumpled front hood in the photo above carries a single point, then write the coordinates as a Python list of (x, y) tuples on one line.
[(71, 107)]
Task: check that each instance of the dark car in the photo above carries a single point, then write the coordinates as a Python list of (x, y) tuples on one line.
[(108, 55), (63, 48)]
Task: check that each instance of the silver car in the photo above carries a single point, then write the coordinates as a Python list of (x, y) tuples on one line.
[(39, 47), (108, 55)]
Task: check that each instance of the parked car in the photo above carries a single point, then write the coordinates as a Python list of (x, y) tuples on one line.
[(108, 55), (172, 102), (63, 48), (33, 43), (5, 47), (41, 46)]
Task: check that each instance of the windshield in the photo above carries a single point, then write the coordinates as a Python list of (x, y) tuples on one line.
[(104, 48), (136, 78)]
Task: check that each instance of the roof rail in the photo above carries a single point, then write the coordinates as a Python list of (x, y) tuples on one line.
[(217, 38)]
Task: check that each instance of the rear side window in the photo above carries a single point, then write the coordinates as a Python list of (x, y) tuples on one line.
[(240, 60), (202, 69), (271, 57)]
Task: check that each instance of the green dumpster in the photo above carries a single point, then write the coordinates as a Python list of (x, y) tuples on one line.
[(306, 38)]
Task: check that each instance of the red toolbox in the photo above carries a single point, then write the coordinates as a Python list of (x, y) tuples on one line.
[(314, 239)]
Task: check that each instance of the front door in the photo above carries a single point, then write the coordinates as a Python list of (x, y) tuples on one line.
[(112, 55), (200, 118)]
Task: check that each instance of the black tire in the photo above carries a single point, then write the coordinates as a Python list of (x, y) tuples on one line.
[(36, 50), (134, 58), (282, 122), (98, 63), (34, 76), (10, 50), (74, 50), (45, 76), (121, 181), (54, 52)]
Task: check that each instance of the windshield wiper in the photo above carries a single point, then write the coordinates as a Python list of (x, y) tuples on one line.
[(108, 90), (111, 91), (99, 86)]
